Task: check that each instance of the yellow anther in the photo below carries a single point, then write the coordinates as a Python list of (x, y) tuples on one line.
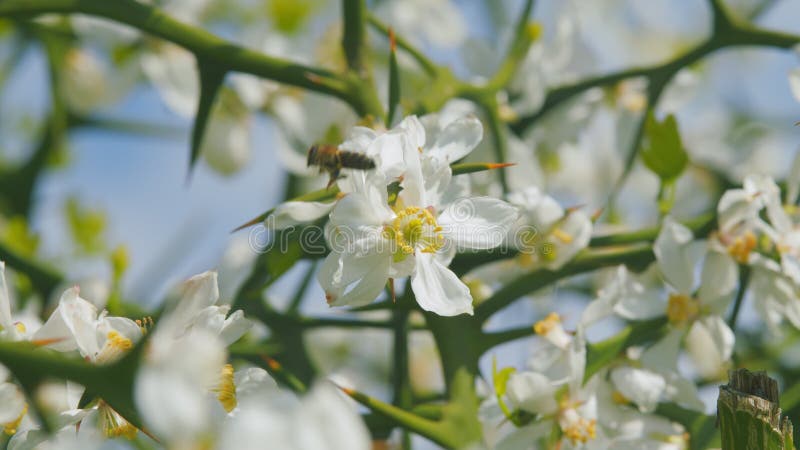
[(413, 228), (113, 424), (681, 308), (547, 324), (742, 246), (20, 327), (581, 431), (116, 345), (11, 427), (226, 391), (618, 398), (562, 235)]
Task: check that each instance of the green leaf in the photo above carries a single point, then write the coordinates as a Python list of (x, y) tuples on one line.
[(600, 354), (211, 78), (662, 150), (501, 379), (87, 227), (394, 80)]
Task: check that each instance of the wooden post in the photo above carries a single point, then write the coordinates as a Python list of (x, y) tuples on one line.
[(749, 413)]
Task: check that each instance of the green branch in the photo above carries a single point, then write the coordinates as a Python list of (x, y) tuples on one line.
[(734, 35), (427, 65), (354, 35), (206, 46), (586, 261), (44, 279)]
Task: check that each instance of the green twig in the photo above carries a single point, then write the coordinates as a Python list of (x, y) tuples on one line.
[(427, 65), (206, 46)]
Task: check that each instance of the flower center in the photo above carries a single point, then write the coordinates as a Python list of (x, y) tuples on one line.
[(113, 424), (116, 345), (681, 308), (11, 427), (414, 228), (547, 324), (226, 391), (576, 428), (742, 246)]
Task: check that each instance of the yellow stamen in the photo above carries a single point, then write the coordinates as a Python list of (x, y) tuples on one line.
[(226, 392), (116, 345), (413, 228), (562, 235), (11, 427), (20, 327), (115, 425), (145, 324), (681, 308), (618, 398), (545, 325), (742, 246), (581, 431)]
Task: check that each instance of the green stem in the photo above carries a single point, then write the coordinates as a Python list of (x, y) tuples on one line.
[(732, 35), (353, 38), (523, 38), (401, 388), (427, 65), (744, 281), (586, 261), (205, 46), (44, 279)]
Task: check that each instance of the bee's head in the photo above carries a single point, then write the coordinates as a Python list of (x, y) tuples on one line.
[(312, 156)]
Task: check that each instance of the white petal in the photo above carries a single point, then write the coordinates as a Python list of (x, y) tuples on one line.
[(457, 139), (794, 83), (12, 402), (335, 424), (673, 254), (641, 386), (355, 211), (73, 324), (173, 72), (710, 344), (294, 213), (523, 437), (683, 392), (540, 210), (199, 292), (438, 289), (719, 279), (478, 223), (662, 356), (226, 141), (578, 226), (736, 207), (235, 326), (368, 273), (5, 301), (532, 392), (793, 181)]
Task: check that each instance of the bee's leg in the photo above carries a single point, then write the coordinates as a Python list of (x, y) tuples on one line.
[(333, 178)]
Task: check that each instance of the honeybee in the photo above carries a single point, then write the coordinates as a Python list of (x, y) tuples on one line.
[(332, 160)]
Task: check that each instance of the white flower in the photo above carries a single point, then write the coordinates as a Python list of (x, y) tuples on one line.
[(76, 325), (12, 407), (372, 241), (173, 384), (566, 402), (198, 309), (548, 236), (226, 141), (322, 419)]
